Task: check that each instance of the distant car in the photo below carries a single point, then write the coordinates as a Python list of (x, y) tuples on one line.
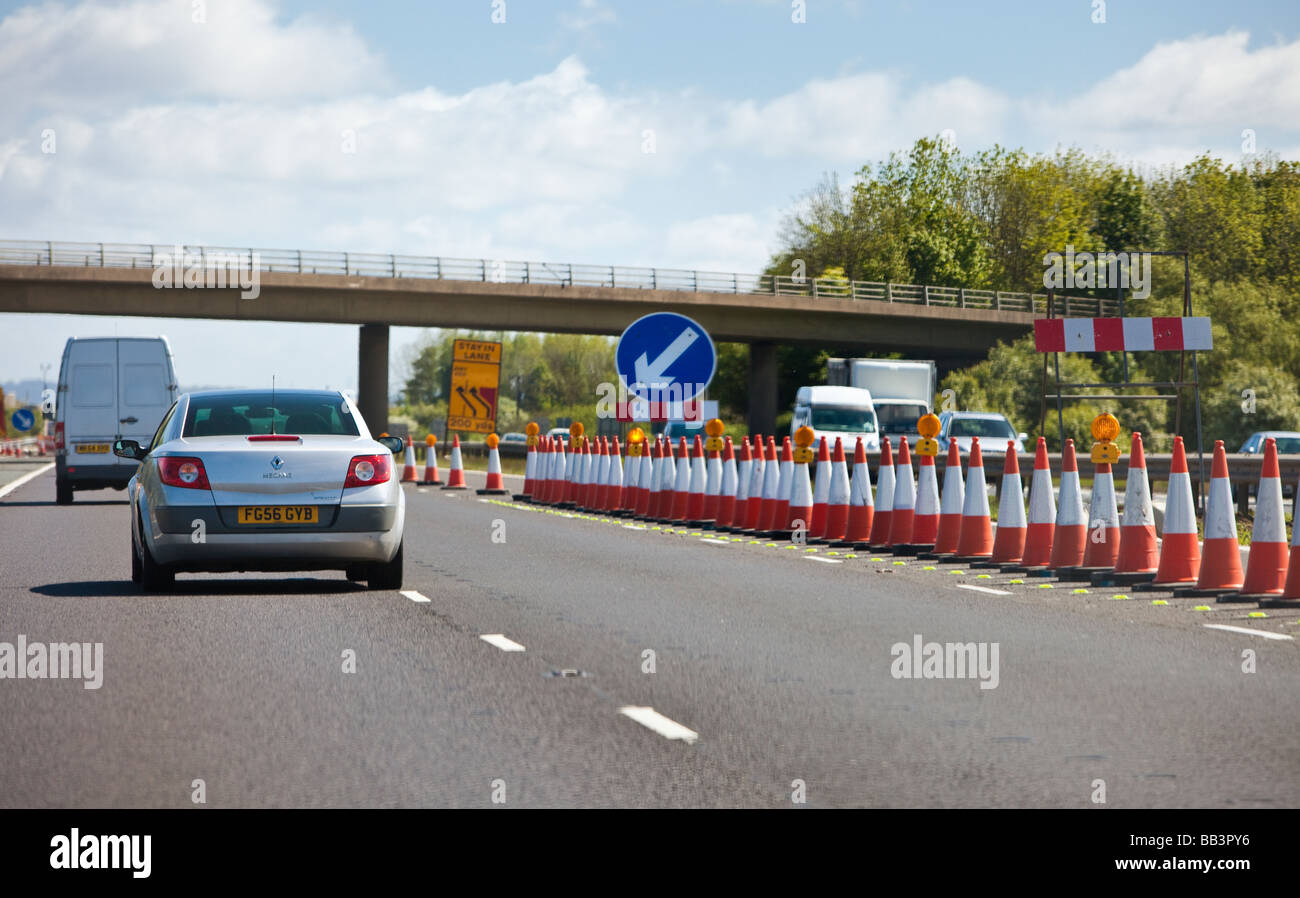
[(558, 432), (993, 429), (514, 437), (1288, 442), (289, 481)]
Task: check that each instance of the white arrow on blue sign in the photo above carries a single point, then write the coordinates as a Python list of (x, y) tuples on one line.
[(665, 357), (23, 419)]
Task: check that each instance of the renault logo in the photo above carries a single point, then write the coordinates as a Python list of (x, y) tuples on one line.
[(277, 462)]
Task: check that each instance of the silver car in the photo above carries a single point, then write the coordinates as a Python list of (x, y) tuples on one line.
[(255, 480)]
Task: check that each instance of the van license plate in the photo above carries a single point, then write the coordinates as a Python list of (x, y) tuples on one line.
[(95, 448), (278, 514)]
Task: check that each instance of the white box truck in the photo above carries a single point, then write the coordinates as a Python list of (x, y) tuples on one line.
[(110, 388), (901, 391)]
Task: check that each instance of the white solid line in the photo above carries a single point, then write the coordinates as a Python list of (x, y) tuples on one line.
[(1248, 631), (823, 560), (501, 642), (664, 726), (992, 592), (716, 542), (414, 596), (30, 475)]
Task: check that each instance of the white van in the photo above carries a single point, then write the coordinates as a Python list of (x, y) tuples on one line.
[(110, 388), (844, 412)]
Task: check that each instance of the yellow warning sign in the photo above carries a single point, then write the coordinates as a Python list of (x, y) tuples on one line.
[(475, 382)]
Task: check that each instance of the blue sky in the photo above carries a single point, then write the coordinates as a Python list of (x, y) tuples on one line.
[(524, 140)]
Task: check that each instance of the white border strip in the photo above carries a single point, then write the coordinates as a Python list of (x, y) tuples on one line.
[(501, 642), (992, 592), (664, 726), (30, 475), (1248, 631)]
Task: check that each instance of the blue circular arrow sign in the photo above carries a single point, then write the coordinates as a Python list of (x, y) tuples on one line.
[(23, 419), (665, 357)]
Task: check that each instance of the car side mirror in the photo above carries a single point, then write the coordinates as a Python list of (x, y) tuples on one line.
[(129, 449), (393, 444)]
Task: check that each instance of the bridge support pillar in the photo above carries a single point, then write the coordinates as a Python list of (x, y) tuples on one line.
[(762, 388), (372, 377)]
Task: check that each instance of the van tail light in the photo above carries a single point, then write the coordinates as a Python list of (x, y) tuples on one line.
[(183, 471), (369, 470), (59, 435)]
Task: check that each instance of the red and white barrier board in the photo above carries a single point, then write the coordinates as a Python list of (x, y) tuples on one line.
[(1122, 334)]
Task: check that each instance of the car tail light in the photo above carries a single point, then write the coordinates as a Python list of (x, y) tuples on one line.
[(274, 438), (183, 471), (369, 470), (58, 436)]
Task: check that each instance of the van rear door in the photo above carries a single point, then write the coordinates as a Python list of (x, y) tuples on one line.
[(145, 388), (90, 403)]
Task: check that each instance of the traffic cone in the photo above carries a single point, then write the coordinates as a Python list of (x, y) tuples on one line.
[(950, 508), (1042, 513), (545, 462), (785, 481), (799, 511), (645, 480), (1290, 597), (862, 510), (837, 497), (1220, 552), (925, 520), (880, 525), (614, 496), (600, 483), (1009, 538), (975, 541), (771, 489), (431, 461), (495, 485), (821, 491), (456, 477), (530, 474), (758, 489), (631, 480), (1180, 549), (590, 474), (698, 484), (729, 482), (900, 522), (744, 468), (1267, 562), (572, 473), (1139, 553), (408, 468), (682, 484), (667, 476), (1071, 526), (1101, 549)]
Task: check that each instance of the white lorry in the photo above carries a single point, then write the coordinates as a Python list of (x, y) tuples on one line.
[(844, 412), (901, 391), (110, 388)]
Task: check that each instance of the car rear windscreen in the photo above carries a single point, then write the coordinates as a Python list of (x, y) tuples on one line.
[(981, 427), (290, 412)]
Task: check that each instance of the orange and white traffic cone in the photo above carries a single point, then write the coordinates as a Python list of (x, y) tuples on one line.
[(1041, 531), (408, 467), (785, 482), (838, 496), (799, 511), (1139, 553), (644, 471), (681, 484), (1180, 548), (880, 524), (862, 508), (559, 461), (1220, 552), (431, 461), (698, 485), (731, 511), (1071, 524), (1102, 549), (573, 473), (456, 476), (614, 499), (753, 503), (728, 482), (925, 521), (900, 522), (1267, 562), (821, 492), (600, 477), (495, 485), (950, 506), (590, 474), (771, 490), (667, 468), (975, 541), (1009, 538), (1290, 597), (530, 473)]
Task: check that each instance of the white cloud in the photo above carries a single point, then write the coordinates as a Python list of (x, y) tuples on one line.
[(590, 13)]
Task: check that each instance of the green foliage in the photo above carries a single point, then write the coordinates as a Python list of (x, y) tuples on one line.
[(1227, 412)]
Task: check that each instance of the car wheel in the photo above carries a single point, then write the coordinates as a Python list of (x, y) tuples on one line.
[(62, 491), (154, 577), (137, 570), (389, 575)]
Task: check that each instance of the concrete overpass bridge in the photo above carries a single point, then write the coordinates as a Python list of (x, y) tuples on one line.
[(954, 326)]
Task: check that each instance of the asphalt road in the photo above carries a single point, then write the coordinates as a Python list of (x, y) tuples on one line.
[(779, 664)]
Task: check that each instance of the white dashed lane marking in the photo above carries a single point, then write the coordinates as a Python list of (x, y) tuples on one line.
[(414, 596), (992, 592), (9, 488), (501, 642), (1248, 631), (664, 726)]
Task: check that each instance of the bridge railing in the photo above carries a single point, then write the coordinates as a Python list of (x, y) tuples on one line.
[(392, 265)]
